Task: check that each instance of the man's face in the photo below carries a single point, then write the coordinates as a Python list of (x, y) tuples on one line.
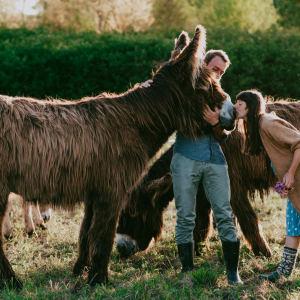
[(217, 65)]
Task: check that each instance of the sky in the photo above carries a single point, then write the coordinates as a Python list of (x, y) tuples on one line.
[(28, 10)]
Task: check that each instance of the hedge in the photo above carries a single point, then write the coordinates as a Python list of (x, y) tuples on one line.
[(41, 63)]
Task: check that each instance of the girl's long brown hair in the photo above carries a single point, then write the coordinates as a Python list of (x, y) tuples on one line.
[(250, 127)]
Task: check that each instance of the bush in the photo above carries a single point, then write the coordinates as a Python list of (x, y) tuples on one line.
[(268, 61), (73, 65), (68, 65)]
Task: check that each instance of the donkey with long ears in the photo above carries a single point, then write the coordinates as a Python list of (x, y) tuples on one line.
[(41, 213), (95, 150), (142, 219)]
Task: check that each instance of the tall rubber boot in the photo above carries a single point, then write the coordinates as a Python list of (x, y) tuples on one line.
[(186, 256), (231, 258)]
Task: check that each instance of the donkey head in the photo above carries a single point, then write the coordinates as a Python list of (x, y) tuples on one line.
[(142, 219), (228, 115), (196, 84)]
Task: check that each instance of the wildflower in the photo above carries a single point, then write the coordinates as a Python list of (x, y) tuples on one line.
[(282, 190)]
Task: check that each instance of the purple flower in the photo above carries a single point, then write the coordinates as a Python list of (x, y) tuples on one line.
[(279, 187)]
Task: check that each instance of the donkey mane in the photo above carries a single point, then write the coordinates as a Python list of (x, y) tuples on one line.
[(136, 105), (134, 102)]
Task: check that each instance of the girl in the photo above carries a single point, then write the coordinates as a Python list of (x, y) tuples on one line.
[(281, 141)]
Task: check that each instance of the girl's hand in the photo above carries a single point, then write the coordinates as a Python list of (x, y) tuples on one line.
[(288, 179)]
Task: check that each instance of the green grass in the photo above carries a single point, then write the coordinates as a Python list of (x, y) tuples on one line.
[(44, 264)]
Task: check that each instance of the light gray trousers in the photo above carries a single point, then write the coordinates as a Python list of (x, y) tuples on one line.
[(187, 174)]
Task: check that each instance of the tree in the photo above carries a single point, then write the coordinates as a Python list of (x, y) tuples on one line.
[(101, 15), (58, 14), (121, 15), (289, 12), (9, 16), (243, 14), (169, 13)]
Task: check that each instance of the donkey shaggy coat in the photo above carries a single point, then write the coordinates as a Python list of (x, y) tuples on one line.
[(94, 150), (142, 219)]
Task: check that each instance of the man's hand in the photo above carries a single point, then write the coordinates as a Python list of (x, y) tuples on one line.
[(146, 84), (211, 117)]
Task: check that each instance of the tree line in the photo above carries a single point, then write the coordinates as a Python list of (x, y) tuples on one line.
[(140, 15)]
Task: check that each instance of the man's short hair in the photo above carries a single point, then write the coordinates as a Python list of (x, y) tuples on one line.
[(209, 55)]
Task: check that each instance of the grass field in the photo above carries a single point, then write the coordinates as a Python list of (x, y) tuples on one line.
[(44, 264)]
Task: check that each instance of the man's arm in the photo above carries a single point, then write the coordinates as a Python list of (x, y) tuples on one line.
[(212, 118)]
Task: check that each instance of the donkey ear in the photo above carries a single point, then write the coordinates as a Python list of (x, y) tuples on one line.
[(159, 187), (193, 54), (180, 43), (197, 45), (197, 49)]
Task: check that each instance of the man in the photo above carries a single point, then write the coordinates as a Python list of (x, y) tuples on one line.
[(202, 159)]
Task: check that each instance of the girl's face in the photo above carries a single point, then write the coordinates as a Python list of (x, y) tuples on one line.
[(241, 109)]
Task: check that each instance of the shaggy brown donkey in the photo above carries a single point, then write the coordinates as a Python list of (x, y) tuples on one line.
[(94, 150), (142, 219)]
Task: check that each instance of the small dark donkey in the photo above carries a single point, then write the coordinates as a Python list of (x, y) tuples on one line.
[(142, 219), (32, 213)]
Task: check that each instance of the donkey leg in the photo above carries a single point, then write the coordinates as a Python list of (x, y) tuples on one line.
[(27, 215), (101, 238), (37, 216), (6, 223), (6, 272), (83, 248), (250, 226), (202, 231)]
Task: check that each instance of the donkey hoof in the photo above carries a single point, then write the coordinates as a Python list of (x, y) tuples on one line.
[(79, 269), (94, 280), (13, 284), (18, 285)]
